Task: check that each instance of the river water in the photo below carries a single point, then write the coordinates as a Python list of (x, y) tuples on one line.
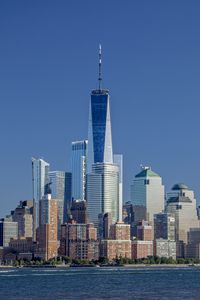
[(100, 283)]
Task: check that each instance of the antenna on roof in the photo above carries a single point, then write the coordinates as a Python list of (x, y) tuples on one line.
[(100, 75)]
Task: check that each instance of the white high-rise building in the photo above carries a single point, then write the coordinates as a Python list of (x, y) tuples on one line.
[(147, 195), (57, 179), (103, 192), (40, 177), (182, 206), (118, 160), (78, 169)]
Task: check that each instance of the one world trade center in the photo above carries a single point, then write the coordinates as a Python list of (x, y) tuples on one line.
[(99, 130)]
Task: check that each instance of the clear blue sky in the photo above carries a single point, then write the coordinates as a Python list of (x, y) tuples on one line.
[(48, 66)]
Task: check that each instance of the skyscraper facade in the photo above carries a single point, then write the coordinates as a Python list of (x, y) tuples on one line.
[(99, 130), (78, 169), (40, 178), (118, 160), (147, 195), (57, 179), (103, 191), (183, 209), (48, 227)]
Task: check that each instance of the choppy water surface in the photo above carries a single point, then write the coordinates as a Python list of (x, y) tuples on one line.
[(100, 283)]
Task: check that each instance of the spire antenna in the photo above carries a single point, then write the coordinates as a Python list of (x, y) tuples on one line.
[(100, 74)]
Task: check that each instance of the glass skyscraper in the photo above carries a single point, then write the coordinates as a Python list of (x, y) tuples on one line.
[(78, 169), (99, 129), (40, 177)]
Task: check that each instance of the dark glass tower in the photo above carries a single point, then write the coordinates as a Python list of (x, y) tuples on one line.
[(99, 133)]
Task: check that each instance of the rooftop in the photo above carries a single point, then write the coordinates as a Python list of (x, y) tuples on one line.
[(147, 172)]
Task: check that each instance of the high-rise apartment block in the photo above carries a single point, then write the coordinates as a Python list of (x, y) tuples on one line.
[(79, 211), (143, 246), (48, 227), (78, 169), (147, 195), (79, 241), (40, 177), (57, 179), (23, 215), (164, 226), (119, 244)]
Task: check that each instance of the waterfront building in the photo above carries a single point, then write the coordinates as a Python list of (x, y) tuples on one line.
[(165, 248), (147, 195), (99, 129), (48, 226), (79, 241), (141, 249), (183, 209), (103, 192), (79, 211), (78, 169), (40, 177), (23, 215), (57, 179), (22, 245), (118, 244), (118, 160), (164, 226), (8, 230)]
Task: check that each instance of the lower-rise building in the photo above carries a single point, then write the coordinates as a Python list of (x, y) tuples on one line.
[(165, 248), (119, 244), (112, 249), (79, 241), (141, 249)]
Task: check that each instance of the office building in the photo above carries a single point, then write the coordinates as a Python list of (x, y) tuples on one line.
[(78, 169), (8, 230), (147, 195), (183, 209), (103, 192), (40, 177), (79, 241), (68, 196), (99, 130), (164, 226)]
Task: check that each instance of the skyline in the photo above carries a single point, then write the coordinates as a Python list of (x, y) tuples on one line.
[(154, 85)]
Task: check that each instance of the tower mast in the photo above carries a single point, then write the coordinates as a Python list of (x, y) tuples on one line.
[(100, 74)]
